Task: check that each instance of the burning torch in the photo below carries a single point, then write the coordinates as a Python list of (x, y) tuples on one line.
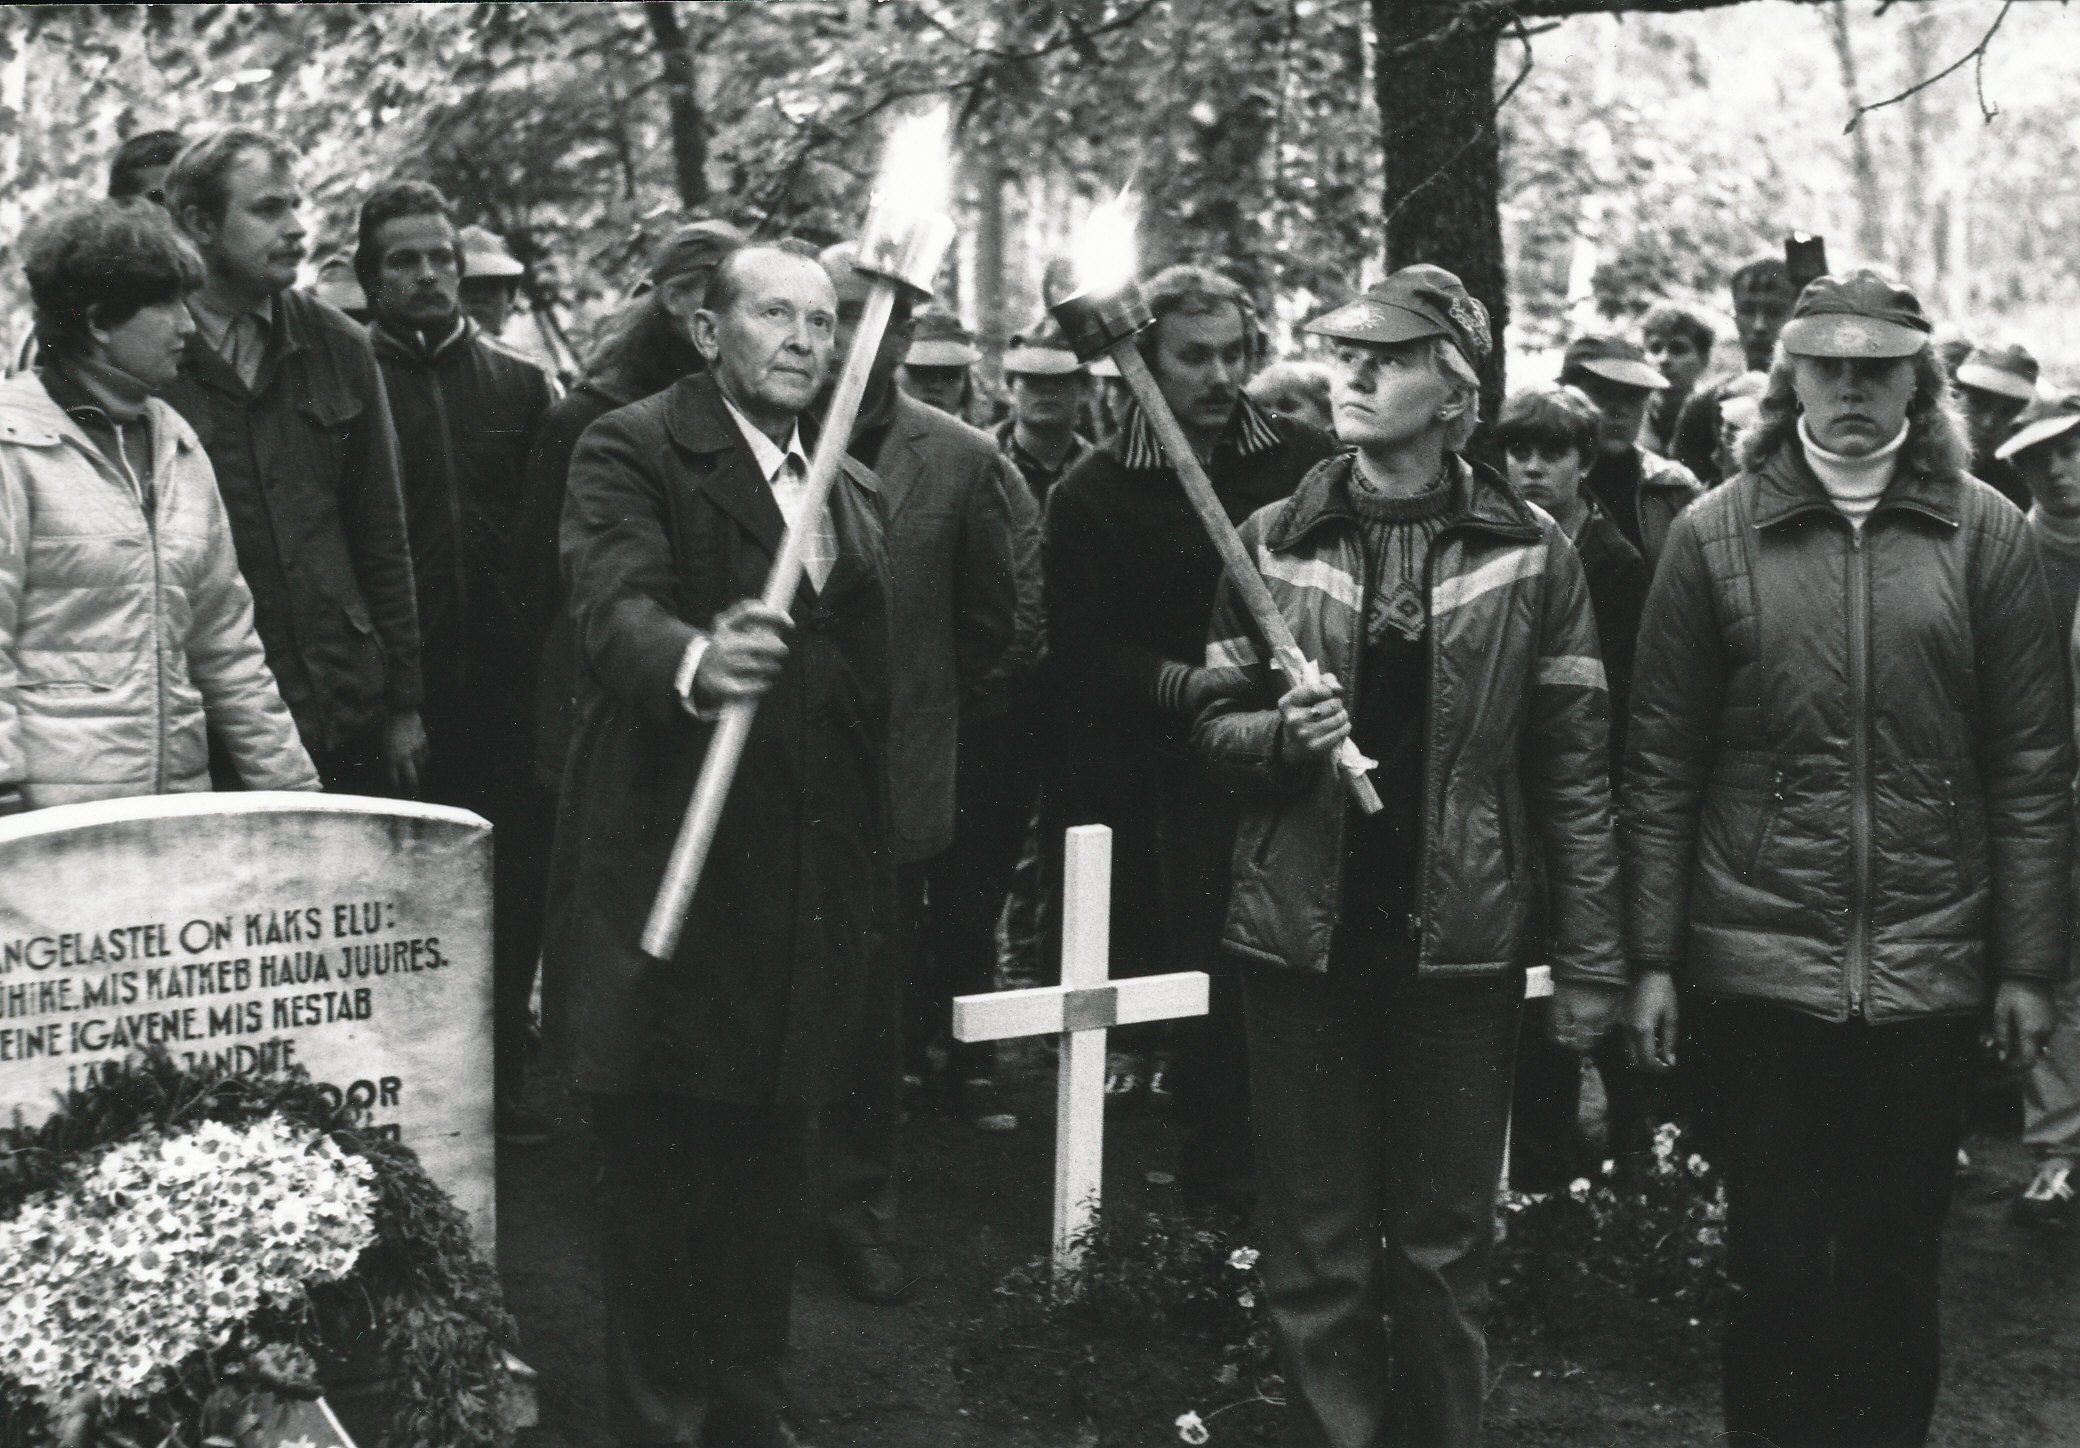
[(1102, 319), (905, 237)]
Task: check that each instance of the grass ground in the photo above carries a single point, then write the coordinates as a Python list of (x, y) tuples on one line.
[(976, 1206)]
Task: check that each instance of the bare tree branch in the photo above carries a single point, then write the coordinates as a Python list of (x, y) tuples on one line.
[(1975, 58), (1078, 38)]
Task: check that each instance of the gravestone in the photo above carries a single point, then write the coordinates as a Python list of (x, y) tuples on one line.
[(348, 936)]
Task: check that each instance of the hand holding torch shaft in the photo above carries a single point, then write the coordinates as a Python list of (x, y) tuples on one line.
[(896, 252), (1107, 327)]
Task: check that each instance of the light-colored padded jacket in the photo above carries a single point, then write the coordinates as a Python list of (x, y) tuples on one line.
[(122, 637)]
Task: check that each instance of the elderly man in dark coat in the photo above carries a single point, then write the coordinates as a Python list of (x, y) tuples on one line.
[(703, 1070)]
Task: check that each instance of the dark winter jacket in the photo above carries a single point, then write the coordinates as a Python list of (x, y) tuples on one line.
[(1847, 786), (545, 625), (1642, 492), (1516, 787), (466, 411), (307, 463), (667, 522)]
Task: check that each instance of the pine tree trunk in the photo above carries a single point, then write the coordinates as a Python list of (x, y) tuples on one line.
[(1436, 91)]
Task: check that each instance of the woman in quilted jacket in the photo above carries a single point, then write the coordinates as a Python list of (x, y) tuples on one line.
[(126, 632), (1846, 831), (1384, 956)]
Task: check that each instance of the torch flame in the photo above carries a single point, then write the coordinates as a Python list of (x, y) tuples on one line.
[(1103, 252), (914, 180)]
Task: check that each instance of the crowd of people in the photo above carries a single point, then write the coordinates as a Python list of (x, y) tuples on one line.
[(1743, 705)]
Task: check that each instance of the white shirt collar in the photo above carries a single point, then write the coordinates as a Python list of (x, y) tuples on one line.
[(769, 457)]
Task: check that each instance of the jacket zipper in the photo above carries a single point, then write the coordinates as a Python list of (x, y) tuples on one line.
[(1769, 823), (1350, 698), (151, 532), (1432, 800), (1859, 768)]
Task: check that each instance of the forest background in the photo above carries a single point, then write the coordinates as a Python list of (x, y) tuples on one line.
[(1642, 154)]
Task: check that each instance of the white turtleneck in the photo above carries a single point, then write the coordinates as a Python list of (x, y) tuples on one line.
[(1853, 485)]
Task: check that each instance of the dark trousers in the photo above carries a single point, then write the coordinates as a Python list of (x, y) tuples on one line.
[(995, 784), (1195, 832), (1839, 1144), (1380, 1120), (700, 1208), (1546, 1147), (861, 1132), (494, 778)]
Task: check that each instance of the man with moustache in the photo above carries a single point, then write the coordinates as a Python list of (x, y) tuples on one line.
[(1049, 390), (286, 396), (704, 1070), (963, 540), (1130, 584), (466, 411)]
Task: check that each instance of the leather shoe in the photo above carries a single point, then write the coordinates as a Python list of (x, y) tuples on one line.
[(872, 1274)]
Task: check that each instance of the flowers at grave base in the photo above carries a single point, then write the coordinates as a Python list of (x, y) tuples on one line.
[(1191, 1429), (166, 1246), (1242, 1259), (181, 1247)]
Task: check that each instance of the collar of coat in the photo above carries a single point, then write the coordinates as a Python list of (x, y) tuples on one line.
[(1786, 487), (1249, 432), (29, 418), (698, 423), (1481, 501), (407, 346)]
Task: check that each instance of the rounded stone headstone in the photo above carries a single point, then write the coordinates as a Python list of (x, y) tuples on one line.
[(348, 936)]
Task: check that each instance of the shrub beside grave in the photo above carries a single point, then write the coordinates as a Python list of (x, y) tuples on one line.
[(176, 1245)]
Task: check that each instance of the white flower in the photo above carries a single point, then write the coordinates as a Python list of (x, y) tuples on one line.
[(1697, 1164), (1246, 1300), (1243, 1258), (165, 1246), (1579, 1189), (1191, 1429)]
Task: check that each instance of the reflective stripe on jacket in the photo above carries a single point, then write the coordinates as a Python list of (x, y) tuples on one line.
[(1516, 790), (1849, 770), (122, 637)]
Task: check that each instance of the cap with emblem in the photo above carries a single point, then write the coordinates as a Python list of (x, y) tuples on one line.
[(1613, 359), (937, 339), (484, 255), (1041, 351), (1862, 314), (1416, 302), (2044, 419), (2009, 371)]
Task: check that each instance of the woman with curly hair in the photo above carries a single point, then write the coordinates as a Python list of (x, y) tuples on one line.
[(1846, 827)]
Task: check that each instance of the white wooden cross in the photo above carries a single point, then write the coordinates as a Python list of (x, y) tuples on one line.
[(1079, 1010)]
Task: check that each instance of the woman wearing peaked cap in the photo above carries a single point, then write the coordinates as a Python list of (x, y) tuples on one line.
[(1846, 828), (1384, 955)]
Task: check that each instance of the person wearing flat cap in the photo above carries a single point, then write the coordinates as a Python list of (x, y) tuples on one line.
[(1130, 576), (1640, 491), (1994, 384), (938, 367), (1846, 823), (1383, 956), (2044, 450), (1049, 390)]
